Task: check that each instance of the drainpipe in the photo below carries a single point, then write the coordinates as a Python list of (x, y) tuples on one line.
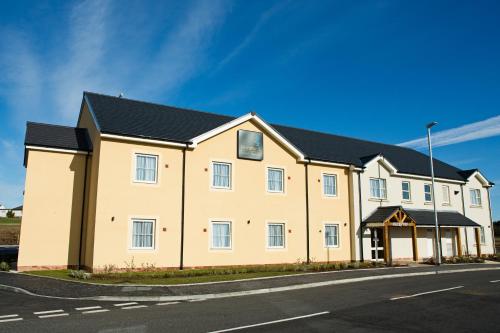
[(491, 222), (83, 212), (307, 209), (181, 265), (465, 228), (361, 254)]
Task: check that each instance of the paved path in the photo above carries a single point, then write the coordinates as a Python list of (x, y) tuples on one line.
[(459, 302)]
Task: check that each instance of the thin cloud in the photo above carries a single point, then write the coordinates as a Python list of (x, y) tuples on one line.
[(474, 131)]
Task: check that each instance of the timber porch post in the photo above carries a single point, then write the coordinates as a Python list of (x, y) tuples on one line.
[(478, 242), (414, 242), (459, 242)]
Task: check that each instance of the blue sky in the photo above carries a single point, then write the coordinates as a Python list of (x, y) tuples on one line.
[(378, 70)]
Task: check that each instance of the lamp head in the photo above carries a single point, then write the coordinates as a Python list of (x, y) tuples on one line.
[(432, 124)]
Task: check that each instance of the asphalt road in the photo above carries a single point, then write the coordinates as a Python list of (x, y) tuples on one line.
[(372, 306)]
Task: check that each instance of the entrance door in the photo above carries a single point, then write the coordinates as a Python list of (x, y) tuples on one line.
[(447, 244), (377, 243)]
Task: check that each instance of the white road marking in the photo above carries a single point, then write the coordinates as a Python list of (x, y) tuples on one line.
[(197, 300), (125, 304), (95, 311), (11, 319), (88, 308), (272, 322), (51, 311), (167, 303), (134, 307), (9, 316), (495, 281), (425, 293), (54, 315)]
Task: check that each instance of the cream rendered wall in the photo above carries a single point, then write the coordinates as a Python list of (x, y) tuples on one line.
[(329, 210), (120, 199), (248, 200), (480, 215), (50, 232)]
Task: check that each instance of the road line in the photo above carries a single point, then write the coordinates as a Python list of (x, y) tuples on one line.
[(11, 319), (9, 316), (426, 293), (95, 311), (197, 300), (125, 304), (88, 308), (167, 303), (51, 311), (272, 322), (54, 315), (495, 281), (134, 307)]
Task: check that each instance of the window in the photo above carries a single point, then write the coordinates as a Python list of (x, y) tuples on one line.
[(377, 188), (482, 236), (427, 193), (331, 235), (446, 194), (221, 175), (406, 191), (275, 180), (221, 235), (330, 185), (143, 234), (276, 235), (475, 197), (145, 168)]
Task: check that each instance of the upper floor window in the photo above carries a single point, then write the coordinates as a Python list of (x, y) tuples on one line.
[(331, 235), (330, 185), (146, 168), (276, 235), (475, 197), (221, 175), (221, 235), (275, 179), (406, 191), (143, 234), (378, 189), (446, 194), (427, 192)]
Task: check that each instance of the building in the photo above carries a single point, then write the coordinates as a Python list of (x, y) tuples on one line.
[(142, 183), (18, 211)]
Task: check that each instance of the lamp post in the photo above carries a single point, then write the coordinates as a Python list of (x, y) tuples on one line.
[(438, 240)]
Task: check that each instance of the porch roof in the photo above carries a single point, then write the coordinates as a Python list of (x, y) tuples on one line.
[(422, 217)]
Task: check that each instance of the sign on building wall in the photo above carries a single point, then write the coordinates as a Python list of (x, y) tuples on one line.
[(250, 145)]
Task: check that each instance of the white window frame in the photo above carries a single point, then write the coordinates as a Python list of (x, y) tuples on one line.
[(477, 197), (446, 191), (403, 191), (482, 235), (328, 224), (430, 192), (324, 175), (379, 180), (153, 242), (282, 179), (212, 247), (284, 235), (136, 155), (213, 176)]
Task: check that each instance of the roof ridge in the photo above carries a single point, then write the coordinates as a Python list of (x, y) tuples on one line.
[(163, 105)]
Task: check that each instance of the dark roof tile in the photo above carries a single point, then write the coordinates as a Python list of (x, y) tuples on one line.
[(55, 136)]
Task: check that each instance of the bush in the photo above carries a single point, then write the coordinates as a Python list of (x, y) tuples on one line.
[(10, 214), (81, 275), (4, 266)]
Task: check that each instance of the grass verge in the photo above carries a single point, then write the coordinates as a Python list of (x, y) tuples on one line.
[(9, 220), (172, 277)]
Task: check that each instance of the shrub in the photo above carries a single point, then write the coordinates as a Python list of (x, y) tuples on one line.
[(10, 214), (79, 274), (344, 265), (4, 266)]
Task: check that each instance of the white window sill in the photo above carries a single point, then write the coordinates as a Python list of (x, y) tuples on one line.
[(476, 206), (332, 247), (378, 199), (407, 202), (428, 203), (446, 204)]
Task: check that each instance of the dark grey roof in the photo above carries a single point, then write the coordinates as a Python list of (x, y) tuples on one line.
[(423, 217), (55, 136), (140, 119), (18, 208)]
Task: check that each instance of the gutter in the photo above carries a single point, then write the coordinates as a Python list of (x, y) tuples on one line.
[(183, 204), (83, 212)]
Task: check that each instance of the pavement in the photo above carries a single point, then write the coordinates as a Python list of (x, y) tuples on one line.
[(455, 301), (60, 288)]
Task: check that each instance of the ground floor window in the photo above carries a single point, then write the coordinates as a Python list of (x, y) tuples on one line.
[(221, 235), (143, 234), (276, 235), (482, 235), (331, 235)]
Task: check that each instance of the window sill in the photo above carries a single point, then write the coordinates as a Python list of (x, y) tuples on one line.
[(332, 247), (476, 206), (407, 202), (428, 203), (378, 200), (446, 204)]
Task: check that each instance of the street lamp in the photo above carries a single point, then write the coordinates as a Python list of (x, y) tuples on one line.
[(437, 251)]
